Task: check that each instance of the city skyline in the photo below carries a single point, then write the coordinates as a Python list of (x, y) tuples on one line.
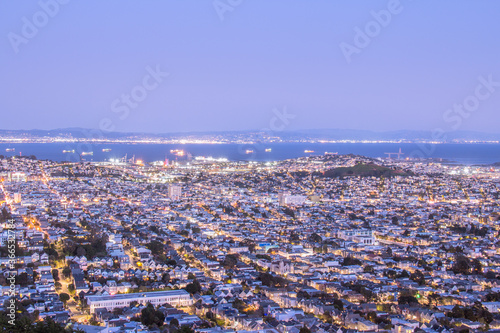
[(232, 166)]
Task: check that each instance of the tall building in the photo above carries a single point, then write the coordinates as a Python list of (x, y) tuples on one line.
[(174, 191), (281, 198), (17, 197)]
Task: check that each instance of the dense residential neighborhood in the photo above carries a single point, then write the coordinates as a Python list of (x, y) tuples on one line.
[(330, 243)]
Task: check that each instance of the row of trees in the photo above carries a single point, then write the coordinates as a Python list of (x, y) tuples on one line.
[(465, 266), (152, 317), (476, 312)]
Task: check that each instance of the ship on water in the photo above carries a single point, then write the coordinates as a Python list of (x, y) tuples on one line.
[(249, 151), (308, 151), (106, 150), (10, 149), (68, 151), (268, 150), (177, 152), (85, 153)]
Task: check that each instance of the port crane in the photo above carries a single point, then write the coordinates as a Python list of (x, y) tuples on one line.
[(398, 154)]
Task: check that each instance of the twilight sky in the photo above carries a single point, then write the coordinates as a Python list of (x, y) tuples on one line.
[(231, 62)]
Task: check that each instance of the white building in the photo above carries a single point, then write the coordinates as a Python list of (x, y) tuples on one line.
[(363, 236), (176, 298), (174, 192), (285, 198), (295, 200)]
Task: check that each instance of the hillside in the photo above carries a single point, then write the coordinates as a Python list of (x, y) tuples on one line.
[(365, 170)]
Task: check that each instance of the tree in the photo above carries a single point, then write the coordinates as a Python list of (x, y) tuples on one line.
[(434, 298), (404, 274), (477, 312), (462, 265), (118, 311), (239, 305), (271, 281), (5, 215), (183, 329), (66, 272), (193, 287), (174, 322), (150, 316), (315, 238), (80, 251), (368, 269), (350, 261), (338, 304), (230, 261), (407, 299), (55, 274), (250, 243), (418, 277), (477, 267), (294, 236), (288, 211), (25, 324), (156, 247), (64, 297), (22, 279), (304, 329)]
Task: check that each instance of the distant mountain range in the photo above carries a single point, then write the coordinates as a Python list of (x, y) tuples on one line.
[(409, 135), (230, 136)]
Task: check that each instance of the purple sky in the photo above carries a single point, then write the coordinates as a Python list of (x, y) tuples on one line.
[(229, 74)]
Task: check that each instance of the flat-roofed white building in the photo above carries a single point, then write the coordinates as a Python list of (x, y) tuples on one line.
[(174, 191), (176, 298)]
